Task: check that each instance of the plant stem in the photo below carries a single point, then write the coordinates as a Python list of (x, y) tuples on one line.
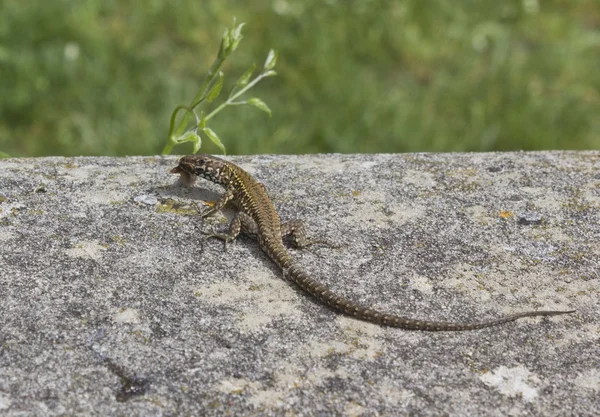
[(233, 97)]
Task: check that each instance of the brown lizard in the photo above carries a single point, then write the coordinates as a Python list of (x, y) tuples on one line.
[(258, 218)]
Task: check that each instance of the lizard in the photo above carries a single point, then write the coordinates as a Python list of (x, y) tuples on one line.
[(258, 218)]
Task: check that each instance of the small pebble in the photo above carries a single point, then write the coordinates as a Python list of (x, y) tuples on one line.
[(146, 199), (529, 218)]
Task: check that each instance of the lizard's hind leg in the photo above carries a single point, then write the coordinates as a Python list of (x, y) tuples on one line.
[(295, 231)]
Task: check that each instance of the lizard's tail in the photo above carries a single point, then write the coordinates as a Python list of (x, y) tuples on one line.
[(295, 274)]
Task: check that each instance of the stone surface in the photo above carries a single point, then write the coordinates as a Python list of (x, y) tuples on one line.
[(111, 305)]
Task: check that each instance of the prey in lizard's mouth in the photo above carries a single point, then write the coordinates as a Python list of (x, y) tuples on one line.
[(187, 176)]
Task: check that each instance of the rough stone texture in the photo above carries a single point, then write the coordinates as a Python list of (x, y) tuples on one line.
[(109, 305)]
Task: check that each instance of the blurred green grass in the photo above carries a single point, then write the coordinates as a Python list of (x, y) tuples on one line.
[(101, 77)]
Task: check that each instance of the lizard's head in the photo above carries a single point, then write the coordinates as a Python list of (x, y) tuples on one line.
[(193, 166)]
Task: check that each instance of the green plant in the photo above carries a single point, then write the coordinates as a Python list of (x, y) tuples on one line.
[(179, 132), (354, 76)]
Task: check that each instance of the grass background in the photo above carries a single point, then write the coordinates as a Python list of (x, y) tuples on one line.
[(101, 77)]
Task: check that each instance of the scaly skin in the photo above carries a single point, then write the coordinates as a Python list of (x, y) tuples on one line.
[(258, 218)]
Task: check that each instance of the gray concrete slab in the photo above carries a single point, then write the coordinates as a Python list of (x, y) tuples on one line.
[(109, 305)]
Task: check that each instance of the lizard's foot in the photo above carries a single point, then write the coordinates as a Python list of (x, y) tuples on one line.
[(295, 232), (226, 238)]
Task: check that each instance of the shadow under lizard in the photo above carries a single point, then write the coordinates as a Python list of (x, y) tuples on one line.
[(258, 219)]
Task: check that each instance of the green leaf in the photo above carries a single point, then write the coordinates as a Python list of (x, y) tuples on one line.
[(231, 39), (259, 104), (214, 137), (191, 136), (225, 44), (216, 88), (197, 143), (236, 36), (271, 60), (4, 155), (270, 73), (182, 123), (245, 78), (202, 92), (202, 121)]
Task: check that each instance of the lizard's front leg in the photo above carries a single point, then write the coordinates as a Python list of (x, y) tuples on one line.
[(240, 223), (219, 204)]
